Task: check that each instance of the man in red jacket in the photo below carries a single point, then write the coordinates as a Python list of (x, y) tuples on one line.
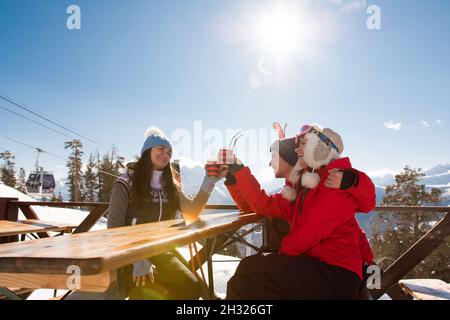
[(322, 256)]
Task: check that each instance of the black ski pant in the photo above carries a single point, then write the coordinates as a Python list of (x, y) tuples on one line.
[(280, 277)]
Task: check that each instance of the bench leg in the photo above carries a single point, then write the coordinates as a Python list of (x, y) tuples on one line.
[(8, 294)]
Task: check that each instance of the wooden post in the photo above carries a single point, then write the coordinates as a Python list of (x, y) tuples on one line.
[(92, 219), (209, 248), (203, 253), (9, 213), (30, 214)]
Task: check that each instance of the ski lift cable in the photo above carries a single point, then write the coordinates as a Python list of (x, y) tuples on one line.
[(35, 122), (52, 154), (31, 147), (46, 118)]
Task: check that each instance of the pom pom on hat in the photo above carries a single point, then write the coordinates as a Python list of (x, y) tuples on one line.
[(310, 180), (154, 131)]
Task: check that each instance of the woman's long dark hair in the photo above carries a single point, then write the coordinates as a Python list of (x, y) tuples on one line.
[(142, 177)]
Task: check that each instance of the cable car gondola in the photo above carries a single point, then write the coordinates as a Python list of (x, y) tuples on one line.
[(40, 184)]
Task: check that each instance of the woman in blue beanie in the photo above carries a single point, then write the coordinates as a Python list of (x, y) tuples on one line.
[(149, 192)]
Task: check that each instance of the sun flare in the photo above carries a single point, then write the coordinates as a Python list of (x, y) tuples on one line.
[(280, 30)]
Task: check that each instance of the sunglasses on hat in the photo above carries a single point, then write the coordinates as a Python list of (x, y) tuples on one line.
[(310, 129)]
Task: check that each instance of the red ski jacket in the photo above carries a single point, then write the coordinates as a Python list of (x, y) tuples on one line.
[(323, 223)]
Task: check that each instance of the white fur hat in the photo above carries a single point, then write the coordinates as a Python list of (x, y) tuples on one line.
[(316, 154)]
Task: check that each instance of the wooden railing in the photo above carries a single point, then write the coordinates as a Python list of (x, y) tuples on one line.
[(415, 254), (9, 209)]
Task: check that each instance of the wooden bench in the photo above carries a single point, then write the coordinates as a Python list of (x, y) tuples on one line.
[(49, 262), (12, 228), (426, 289)]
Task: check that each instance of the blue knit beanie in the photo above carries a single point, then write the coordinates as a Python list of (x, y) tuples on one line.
[(155, 137)]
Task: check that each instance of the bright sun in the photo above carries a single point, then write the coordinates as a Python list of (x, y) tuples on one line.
[(280, 30)]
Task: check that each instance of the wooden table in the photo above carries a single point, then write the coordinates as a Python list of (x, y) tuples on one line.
[(52, 262), (12, 228)]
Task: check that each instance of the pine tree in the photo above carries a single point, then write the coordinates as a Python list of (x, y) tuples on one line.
[(396, 232), (106, 178), (98, 181), (7, 171), (21, 181), (109, 170), (75, 164), (118, 160), (90, 183)]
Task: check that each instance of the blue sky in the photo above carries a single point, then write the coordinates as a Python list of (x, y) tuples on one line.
[(140, 63)]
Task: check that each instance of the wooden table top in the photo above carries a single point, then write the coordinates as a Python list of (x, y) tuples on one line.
[(106, 250), (12, 228), (426, 289)]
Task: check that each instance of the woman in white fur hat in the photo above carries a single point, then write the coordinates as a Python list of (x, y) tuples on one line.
[(321, 257)]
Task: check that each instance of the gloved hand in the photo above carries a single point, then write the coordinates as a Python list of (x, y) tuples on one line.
[(214, 172), (342, 179), (230, 179), (141, 270), (229, 160)]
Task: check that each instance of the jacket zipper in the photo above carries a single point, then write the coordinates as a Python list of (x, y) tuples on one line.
[(302, 201), (160, 205)]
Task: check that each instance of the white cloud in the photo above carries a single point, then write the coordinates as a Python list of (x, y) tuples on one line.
[(349, 5), (355, 5), (425, 124), (392, 125), (439, 122)]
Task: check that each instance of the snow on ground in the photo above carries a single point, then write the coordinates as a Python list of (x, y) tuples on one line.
[(66, 215), (223, 267)]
